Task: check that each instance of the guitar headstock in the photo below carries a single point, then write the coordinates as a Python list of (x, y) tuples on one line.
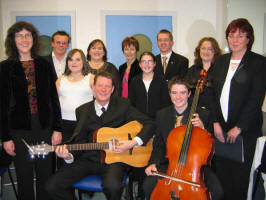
[(40, 150)]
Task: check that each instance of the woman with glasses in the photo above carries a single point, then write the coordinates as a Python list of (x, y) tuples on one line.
[(148, 91), (30, 108), (97, 61), (239, 88)]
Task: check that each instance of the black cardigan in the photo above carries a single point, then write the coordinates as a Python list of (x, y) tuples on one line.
[(15, 111), (134, 70), (156, 98)]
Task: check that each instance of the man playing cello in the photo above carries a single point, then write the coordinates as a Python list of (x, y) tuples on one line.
[(166, 120)]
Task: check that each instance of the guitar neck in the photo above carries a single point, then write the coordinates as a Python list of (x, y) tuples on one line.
[(88, 146)]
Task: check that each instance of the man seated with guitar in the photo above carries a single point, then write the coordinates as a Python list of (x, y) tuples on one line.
[(166, 120), (104, 111)]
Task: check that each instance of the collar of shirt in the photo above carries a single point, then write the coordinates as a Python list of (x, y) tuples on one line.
[(168, 55), (55, 59), (98, 108), (59, 65)]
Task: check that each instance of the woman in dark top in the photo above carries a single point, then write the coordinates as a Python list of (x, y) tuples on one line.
[(30, 108), (97, 61), (239, 88), (148, 91), (205, 54), (130, 68)]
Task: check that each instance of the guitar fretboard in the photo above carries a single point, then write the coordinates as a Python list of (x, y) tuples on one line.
[(88, 146)]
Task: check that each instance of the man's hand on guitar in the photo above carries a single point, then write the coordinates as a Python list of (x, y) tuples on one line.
[(62, 152), (149, 170), (123, 146)]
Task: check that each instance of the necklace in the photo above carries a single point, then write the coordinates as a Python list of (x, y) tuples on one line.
[(96, 66), (75, 78)]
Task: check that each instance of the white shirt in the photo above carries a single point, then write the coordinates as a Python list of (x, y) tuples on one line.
[(74, 94), (147, 84), (59, 65), (224, 99)]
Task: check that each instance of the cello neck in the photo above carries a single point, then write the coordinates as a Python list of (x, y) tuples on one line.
[(187, 136)]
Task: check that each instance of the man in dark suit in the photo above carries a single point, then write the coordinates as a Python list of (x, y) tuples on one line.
[(104, 111), (166, 120), (60, 44), (169, 63)]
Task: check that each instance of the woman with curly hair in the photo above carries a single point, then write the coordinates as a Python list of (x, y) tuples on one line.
[(30, 108), (205, 55)]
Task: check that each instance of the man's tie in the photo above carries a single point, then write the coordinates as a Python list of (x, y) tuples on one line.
[(164, 64), (103, 109), (178, 121)]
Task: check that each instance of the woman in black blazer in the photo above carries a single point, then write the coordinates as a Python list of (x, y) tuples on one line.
[(130, 47), (239, 88), (205, 55), (30, 108)]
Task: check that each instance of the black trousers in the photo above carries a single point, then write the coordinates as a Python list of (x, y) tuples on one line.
[(234, 176), (27, 167), (59, 186), (210, 178), (68, 128)]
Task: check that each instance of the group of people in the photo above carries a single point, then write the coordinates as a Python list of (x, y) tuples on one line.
[(65, 97)]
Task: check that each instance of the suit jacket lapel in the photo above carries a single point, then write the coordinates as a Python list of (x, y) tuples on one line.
[(170, 63)]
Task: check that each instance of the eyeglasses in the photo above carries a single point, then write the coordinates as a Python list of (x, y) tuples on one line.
[(164, 40), (26, 36), (147, 62), (61, 43), (237, 36)]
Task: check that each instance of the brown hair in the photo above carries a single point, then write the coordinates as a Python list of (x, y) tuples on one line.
[(92, 44), (10, 44), (130, 41), (62, 33), (180, 81), (167, 32), (69, 57), (215, 46), (104, 74), (244, 26), (147, 53)]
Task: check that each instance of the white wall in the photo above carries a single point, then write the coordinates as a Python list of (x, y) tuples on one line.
[(194, 19)]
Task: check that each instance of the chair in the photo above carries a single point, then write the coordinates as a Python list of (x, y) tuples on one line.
[(5, 162), (92, 183)]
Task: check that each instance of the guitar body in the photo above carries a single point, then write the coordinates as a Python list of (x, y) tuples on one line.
[(137, 157)]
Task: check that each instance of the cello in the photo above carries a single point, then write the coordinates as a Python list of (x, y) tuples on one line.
[(189, 149)]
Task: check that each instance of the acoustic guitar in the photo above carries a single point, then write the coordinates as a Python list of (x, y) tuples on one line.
[(106, 140)]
